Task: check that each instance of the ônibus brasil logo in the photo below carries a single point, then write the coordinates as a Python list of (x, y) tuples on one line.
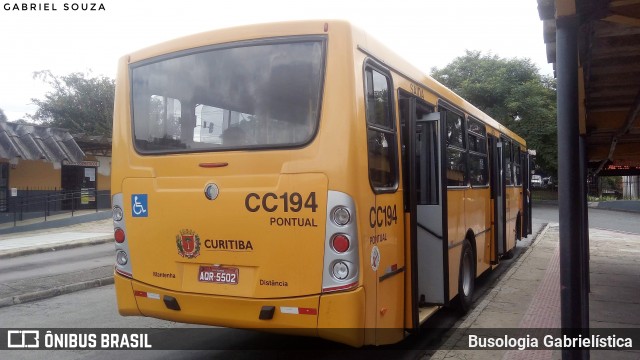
[(188, 243)]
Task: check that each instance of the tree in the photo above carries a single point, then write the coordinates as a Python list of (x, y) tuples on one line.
[(78, 102), (514, 93), (3, 117)]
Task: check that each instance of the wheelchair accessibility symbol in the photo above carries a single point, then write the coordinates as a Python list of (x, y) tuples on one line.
[(139, 205)]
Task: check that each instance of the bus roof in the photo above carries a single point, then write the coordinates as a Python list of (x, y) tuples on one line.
[(361, 42), (382, 53)]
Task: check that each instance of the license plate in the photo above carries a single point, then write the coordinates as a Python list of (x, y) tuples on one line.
[(218, 275)]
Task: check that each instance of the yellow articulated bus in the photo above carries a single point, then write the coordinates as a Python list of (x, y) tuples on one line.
[(301, 178)]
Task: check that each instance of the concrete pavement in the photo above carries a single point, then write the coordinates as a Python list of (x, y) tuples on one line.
[(20, 243), (10, 224), (528, 296), (617, 205)]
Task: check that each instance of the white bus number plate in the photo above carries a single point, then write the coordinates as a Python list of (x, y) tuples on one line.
[(218, 275)]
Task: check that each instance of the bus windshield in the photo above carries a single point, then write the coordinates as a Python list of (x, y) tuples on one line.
[(260, 95)]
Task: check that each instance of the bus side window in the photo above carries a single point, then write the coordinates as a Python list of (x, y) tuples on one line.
[(478, 158), (516, 164), (381, 132), (456, 153), (506, 145)]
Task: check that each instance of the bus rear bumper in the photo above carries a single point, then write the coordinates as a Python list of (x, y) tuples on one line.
[(337, 316)]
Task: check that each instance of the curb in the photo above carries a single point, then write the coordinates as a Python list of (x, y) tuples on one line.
[(63, 246), (628, 206), (471, 318), (57, 223), (457, 331), (49, 293)]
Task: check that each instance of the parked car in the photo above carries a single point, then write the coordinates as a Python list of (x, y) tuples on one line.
[(612, 193), (536, 181)]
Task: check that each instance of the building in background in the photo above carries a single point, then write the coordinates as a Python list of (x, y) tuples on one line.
[(631, 187), (46, 168)]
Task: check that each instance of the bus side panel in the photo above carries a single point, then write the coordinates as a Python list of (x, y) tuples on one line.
[(478, 218), (127, 305), (457, 230), (483, 248), (520, 206), (454, 270), (513, 206), (389, 273), (367, 234), (341, 317), (408, 283)]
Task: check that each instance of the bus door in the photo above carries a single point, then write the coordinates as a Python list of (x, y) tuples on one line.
[(526, 194), (498, 195), (425, 204)]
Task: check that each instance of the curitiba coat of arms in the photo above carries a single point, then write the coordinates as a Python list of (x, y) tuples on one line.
[(188, 243)]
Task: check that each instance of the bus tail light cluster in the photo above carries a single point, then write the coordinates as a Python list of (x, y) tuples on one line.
[(123, 260), (341, 261)]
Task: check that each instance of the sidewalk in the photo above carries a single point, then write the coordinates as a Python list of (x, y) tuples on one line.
[(617, 205), (58, 234), (528, 296), (30, 223)]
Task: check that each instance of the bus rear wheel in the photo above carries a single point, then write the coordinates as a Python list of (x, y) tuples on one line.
[(466, 278)]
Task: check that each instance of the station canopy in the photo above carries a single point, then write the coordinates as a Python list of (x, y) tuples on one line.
[(608, 76)]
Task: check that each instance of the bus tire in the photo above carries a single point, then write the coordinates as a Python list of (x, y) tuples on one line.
[(508, 255), (466, 278)]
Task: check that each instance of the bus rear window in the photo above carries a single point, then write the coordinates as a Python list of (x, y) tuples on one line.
[(261, 95)]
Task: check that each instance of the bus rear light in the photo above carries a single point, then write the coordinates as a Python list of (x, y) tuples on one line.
[(341, 254), (122, 258), (118, 213), (119, 235), (340, 270), (340, 215), (340, 243)]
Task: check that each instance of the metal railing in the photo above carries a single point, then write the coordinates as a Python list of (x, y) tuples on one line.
[(601, 188), (43, 205)]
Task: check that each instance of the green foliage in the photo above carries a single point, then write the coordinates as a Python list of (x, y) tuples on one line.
[(593, 198), (514, 93), (78, 102), (610, 182), (544, 194)]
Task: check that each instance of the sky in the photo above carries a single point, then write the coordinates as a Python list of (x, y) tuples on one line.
[(427, 33)]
